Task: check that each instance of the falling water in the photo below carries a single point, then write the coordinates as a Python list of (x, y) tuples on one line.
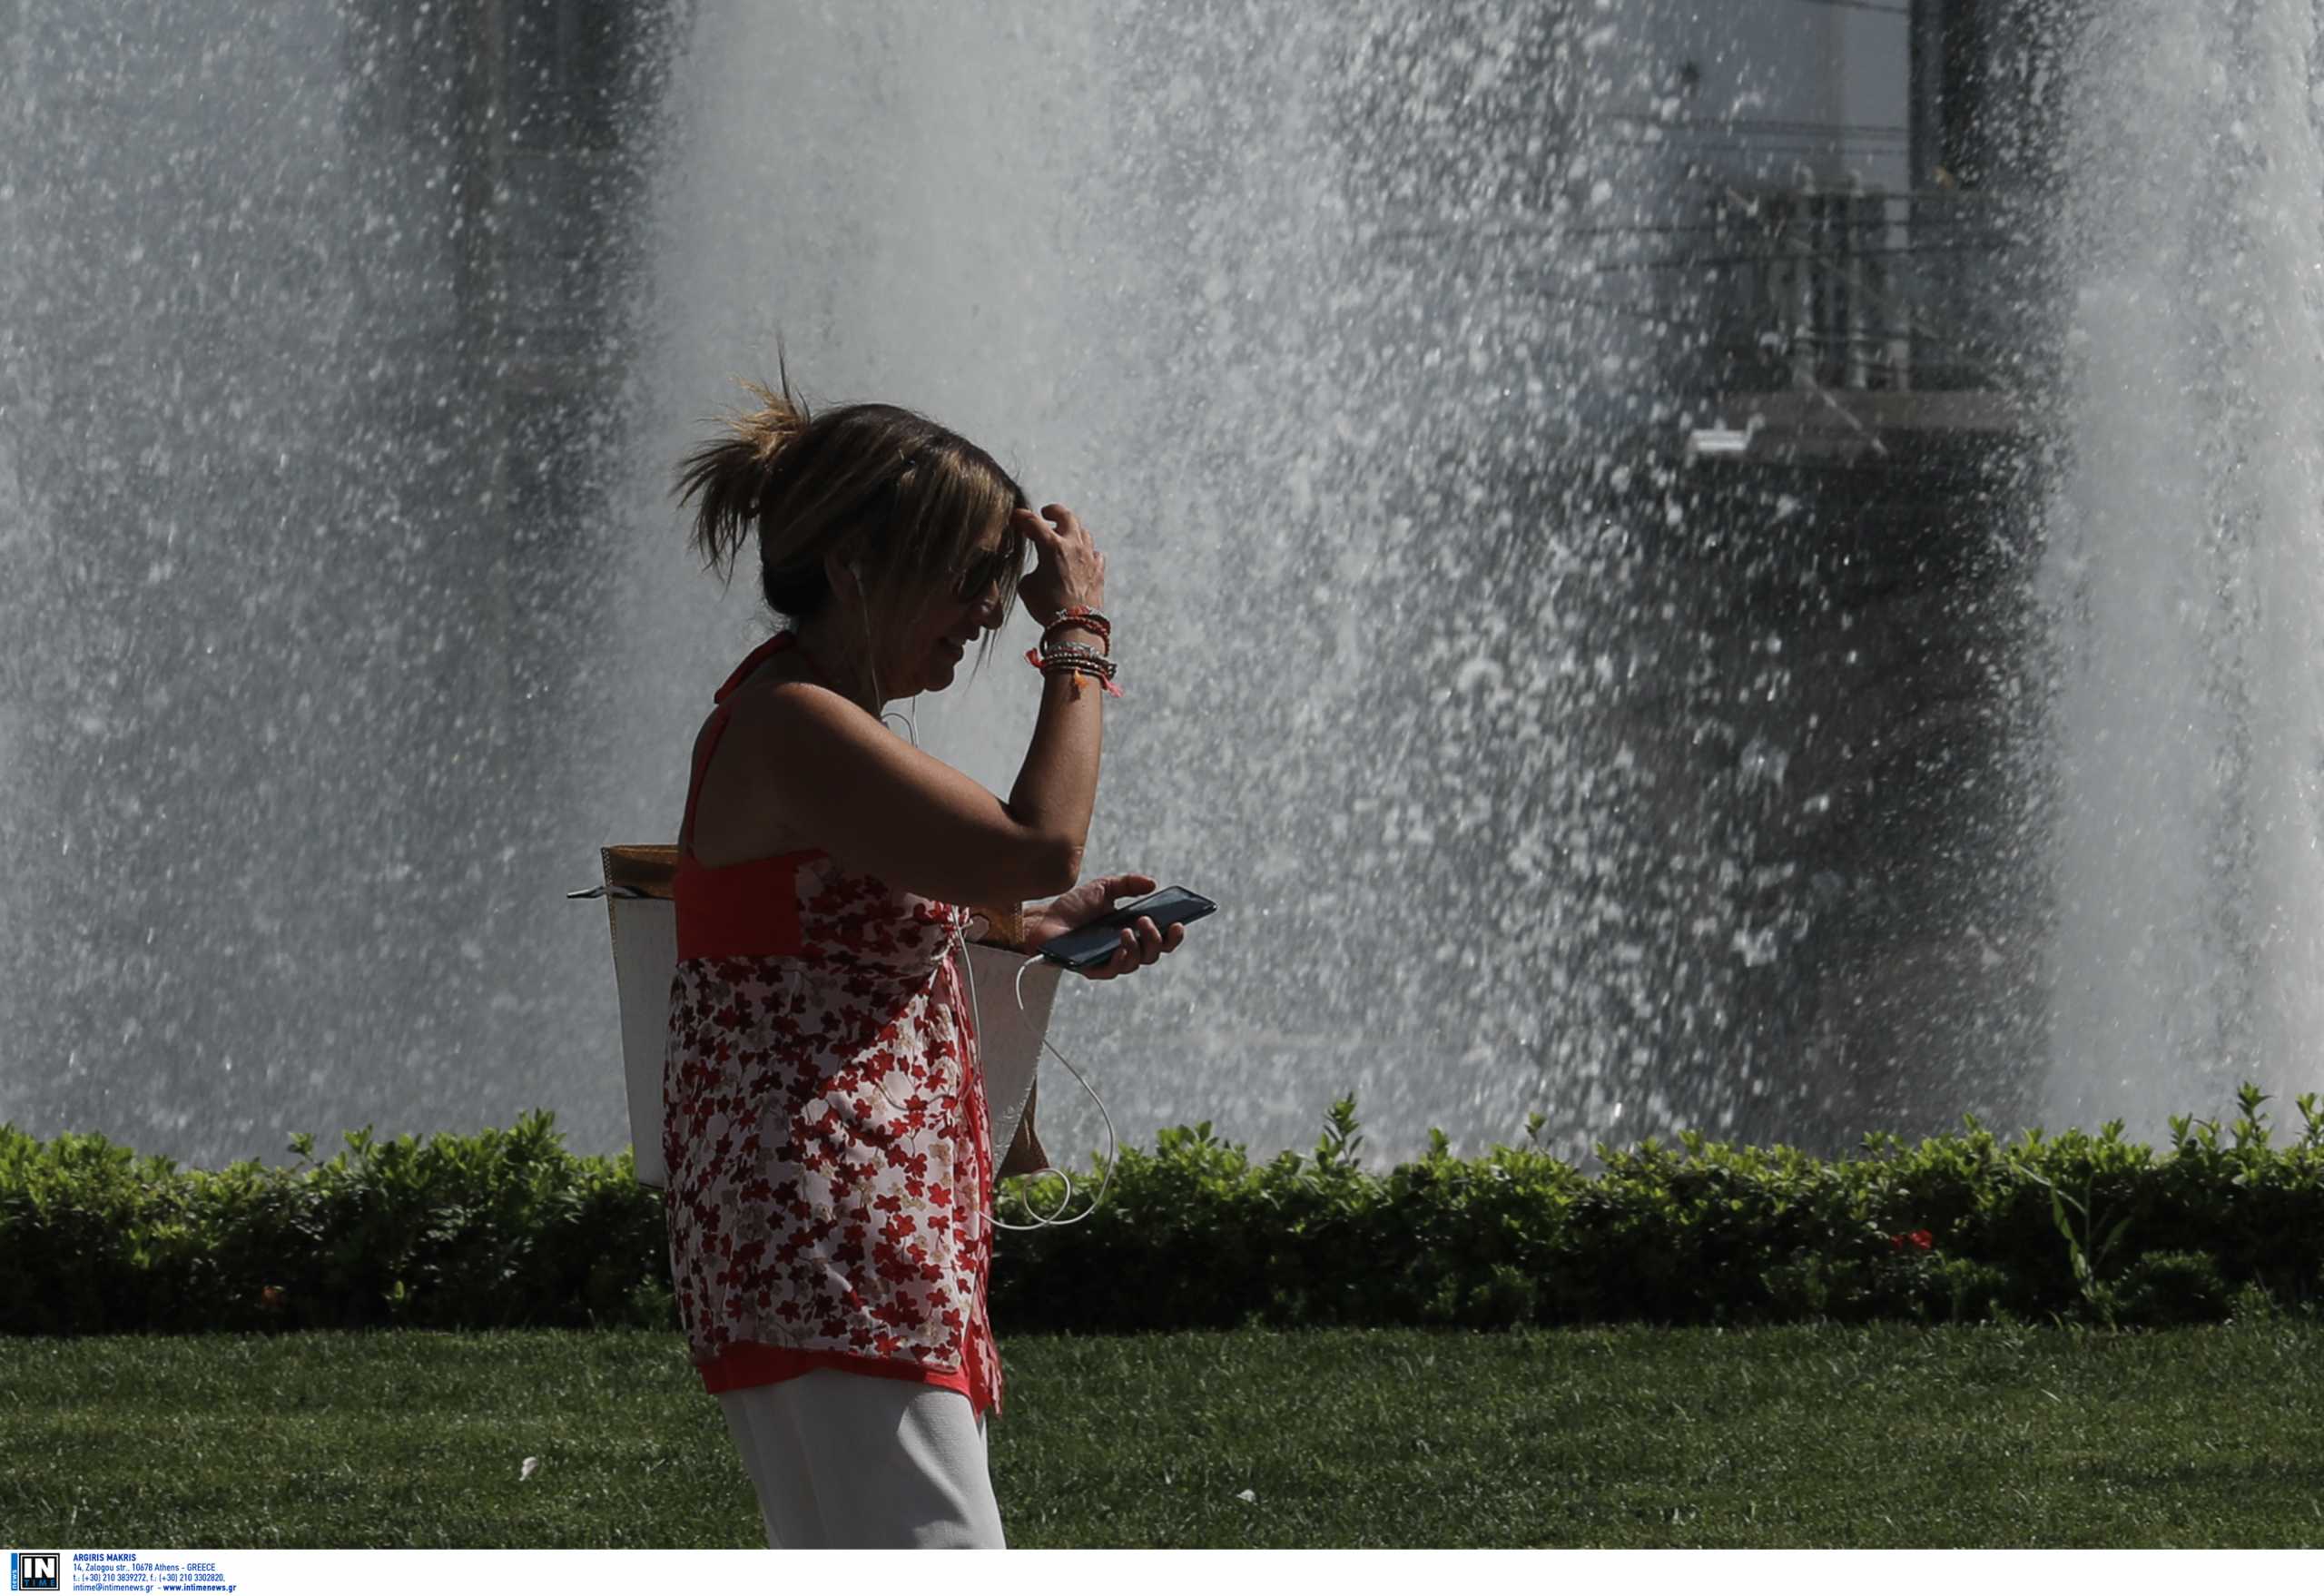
[(2189, 567), (343, 361), (346, 615), (1279, 299), (311, 334)]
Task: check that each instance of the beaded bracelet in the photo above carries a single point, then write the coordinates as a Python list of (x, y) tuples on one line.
[(1050, 651), (1055, 645), (1081, 664), (1097, 663), (1090, 667), (1082, 668), (1076, 666)]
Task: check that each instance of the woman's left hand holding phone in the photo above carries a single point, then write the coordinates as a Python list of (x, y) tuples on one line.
[(1093, 899)]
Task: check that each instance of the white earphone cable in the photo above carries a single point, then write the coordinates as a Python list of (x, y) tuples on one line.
[(1113, 1143)]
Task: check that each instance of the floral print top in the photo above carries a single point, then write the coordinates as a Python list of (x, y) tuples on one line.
[(825, 1124)]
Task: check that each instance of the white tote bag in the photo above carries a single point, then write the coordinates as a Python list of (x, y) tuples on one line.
[(636, 889)]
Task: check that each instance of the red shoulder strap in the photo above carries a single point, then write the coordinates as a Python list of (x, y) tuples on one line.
[(751, 662)]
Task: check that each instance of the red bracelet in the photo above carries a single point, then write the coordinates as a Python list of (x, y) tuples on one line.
[(1080, 665)]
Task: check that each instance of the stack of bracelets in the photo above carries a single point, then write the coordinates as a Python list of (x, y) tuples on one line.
[(1077, 657)]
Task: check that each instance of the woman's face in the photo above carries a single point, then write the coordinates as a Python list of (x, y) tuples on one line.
[(968, 607)]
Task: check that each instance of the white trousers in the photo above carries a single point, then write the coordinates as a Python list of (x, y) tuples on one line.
[(855, 1461)]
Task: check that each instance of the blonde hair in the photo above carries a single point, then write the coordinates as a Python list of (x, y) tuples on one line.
[(904, 499)]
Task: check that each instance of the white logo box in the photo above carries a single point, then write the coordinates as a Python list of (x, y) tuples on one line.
[(636, 889)]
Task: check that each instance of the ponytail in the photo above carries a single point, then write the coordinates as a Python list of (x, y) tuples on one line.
[(733, 477)]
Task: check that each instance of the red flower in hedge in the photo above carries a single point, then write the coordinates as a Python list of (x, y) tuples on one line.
[(1922, 1239)]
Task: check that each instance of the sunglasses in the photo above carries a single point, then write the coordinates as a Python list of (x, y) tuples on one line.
[(999, 566)]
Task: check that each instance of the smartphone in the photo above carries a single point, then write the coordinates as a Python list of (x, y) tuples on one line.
[(1094, 944)]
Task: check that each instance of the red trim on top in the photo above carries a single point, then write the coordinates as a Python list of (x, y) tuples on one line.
[(746, 911), (752, 661), (753, 1363)]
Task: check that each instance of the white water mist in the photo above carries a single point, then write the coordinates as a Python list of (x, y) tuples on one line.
[(2187, 568)]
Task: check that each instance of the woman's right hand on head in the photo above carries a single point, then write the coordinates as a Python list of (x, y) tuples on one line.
[(1071, 571)]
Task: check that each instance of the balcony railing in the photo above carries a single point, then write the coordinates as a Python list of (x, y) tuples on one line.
[(1868, 292)]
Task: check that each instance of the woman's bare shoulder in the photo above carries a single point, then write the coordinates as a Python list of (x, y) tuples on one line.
[(738, 814)]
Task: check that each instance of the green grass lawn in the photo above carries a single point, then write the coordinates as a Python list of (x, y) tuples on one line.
[(1885, 1436)]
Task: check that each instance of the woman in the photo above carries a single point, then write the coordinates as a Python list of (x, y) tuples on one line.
[(829, 1198)]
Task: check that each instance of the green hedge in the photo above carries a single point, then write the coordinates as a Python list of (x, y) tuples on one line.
[(506, 1228), (500, 1229)]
